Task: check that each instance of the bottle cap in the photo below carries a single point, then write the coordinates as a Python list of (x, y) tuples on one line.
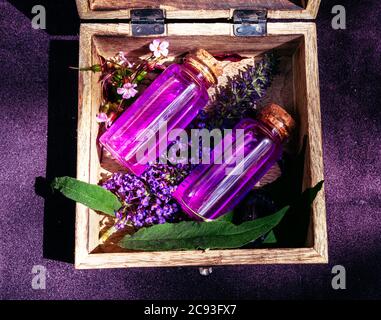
[(209, 66), (277, 117)]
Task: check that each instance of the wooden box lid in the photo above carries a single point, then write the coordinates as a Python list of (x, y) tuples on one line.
[(198, 9)]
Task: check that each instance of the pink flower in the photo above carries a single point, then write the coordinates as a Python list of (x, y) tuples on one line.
[(111, 119), (159, 48), (123, 59), (101, 117), (128, 90)]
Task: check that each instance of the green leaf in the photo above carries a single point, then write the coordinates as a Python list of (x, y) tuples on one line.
[(293, 230), (92, 196), (140, 77), (271, 238), (94, 68), (190, 235), (227, 217)]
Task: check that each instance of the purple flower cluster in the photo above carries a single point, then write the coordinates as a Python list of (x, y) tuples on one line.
[(238, 99), (147, 200)]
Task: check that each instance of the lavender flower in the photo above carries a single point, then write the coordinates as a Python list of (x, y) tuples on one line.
[(147, 200), (238, 99)]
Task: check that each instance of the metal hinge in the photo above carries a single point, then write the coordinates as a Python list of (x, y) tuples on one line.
[(250, 22), (146, 22)]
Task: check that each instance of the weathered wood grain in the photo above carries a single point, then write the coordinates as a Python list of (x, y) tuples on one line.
[(200, 9), (180, 43), (83, 143), (174, 5), (200, 258), (307, 102)]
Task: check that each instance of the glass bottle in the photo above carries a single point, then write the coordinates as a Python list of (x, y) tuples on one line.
[(214, 189), (172, 100)]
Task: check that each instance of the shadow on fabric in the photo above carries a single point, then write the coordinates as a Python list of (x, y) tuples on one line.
[(61, 15), (59, 212)]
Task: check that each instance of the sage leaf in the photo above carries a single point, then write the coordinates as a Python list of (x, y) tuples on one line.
[(270, 238), (293, 230), (92, 196), (226, 217), (191, 235)]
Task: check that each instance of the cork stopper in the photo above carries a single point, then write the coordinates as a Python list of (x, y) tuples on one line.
[(209, 66), (277, 117)]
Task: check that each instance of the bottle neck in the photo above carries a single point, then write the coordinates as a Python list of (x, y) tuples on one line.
[(200, 72), (275, 117), (271, 131)]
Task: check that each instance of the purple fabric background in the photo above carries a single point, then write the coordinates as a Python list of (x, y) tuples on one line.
[(38, 118)]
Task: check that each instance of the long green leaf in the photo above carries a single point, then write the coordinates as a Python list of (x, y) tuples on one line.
[(227, 217), (270, 238), (92, 196), (189, 235)]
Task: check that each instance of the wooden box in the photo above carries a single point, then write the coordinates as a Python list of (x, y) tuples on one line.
[(296, 41)]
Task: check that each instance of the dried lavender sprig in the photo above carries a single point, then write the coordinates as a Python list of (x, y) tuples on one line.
[(238, 99)]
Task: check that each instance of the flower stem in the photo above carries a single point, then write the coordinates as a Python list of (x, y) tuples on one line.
[(106, 236), (94, 68), (115, 63)]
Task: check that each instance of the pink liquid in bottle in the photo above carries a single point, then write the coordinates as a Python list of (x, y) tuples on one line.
[(212, 190), (172, 101)]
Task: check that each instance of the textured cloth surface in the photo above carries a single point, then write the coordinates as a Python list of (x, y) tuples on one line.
[(38, 104)]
